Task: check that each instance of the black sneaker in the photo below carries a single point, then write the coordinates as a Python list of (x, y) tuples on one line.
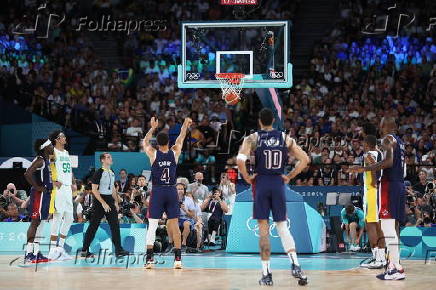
[(299, 274), (121, 253), (183, 249), (86, 254), (266, 280)]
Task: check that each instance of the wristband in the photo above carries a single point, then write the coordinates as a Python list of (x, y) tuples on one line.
[(242, 157)]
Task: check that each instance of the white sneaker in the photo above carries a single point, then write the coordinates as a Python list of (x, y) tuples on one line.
[(177, 264), (367, 264), (375, 265), (64, 256), (357, 248), (352, 248), (54, 254)]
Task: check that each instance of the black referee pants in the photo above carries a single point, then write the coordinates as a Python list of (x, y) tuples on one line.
[(112, 218)]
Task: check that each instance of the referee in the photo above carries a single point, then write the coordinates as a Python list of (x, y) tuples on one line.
[(105, 204)]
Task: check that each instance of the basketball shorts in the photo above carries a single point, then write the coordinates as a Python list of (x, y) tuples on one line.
[(393, 200), (269, 196), (163, 199), (63, 200), (39, 204), (371, 203)]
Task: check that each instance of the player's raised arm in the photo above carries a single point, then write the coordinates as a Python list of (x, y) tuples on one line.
[(148, 149), (300, 155), (243, 155), (177, 148)]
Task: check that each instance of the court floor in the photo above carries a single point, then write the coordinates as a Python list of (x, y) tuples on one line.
[(207, 271)]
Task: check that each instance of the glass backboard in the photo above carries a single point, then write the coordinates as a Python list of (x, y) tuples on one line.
[(258, 49)]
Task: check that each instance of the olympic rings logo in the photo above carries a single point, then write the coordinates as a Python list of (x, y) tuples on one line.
[(253, 226), (192, 76), (276, 74)]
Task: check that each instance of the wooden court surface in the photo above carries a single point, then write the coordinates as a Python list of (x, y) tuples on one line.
[(419, 276)]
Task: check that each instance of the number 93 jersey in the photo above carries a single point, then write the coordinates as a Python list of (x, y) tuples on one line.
[(271, 152), (164, 168), (63, 167)]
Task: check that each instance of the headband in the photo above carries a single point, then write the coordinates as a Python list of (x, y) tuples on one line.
[(46, 143)]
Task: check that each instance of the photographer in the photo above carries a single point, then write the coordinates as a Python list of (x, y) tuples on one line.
[(13, 215), (105, 197), (131, 213), (197, 188), (11, 194), (139, 191), (215, 205), (84, 204), (229, 191)]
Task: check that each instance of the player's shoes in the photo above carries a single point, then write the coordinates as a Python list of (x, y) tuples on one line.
[(149, 263), (376, 265), (122, 253), (86, 254), (299, 274), (392, 274), (29, 258), (266, 280), (55, 253), (64, 256), (178, 263), (40, 258)]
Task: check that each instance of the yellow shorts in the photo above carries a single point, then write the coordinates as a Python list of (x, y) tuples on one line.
[(371, 204)]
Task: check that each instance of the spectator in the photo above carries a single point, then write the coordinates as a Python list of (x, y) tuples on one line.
[(13, 215), (216, 206), (197, 188), (84, 204), (124, 181), (207, 161), (421, 186), (188, 212), (228, 189), (135, 129), (353, 223)]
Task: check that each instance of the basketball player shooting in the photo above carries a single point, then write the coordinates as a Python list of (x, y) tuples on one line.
[(164, 197), (38, 175), (392, 210), (271, 148), (61, 205)]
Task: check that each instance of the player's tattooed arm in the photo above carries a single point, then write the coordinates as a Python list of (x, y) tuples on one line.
[(148, 149), (300, 155)]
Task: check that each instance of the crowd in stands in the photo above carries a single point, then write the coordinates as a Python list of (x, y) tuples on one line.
[(353, 79)]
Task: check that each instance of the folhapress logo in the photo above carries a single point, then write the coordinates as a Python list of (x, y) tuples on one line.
[(253, 226), (45, 21)]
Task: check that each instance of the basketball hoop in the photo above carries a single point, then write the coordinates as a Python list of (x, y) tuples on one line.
[(231, 85)]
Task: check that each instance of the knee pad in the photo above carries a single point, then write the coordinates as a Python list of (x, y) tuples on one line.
[(151, 232), (66, 224), (55, 223), (288, 242)]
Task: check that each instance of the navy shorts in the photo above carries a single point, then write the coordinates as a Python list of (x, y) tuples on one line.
[(269, 196), (393, 200), (39, 204), (163, 199)]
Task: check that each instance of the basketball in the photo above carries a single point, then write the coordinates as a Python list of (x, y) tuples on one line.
[(232, 98)]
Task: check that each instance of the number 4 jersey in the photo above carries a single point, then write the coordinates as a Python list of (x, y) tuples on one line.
[(271, 152), (164, 168)]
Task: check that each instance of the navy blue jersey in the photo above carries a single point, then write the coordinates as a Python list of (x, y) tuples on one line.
[(163, 170), (42, 175), (271, 153), (396, 172), (379, 159)]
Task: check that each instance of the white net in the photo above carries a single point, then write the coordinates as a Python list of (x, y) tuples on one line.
[(231, 83)]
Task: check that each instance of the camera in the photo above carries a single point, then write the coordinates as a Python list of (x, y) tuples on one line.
[(87, 212), (125, 208)]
